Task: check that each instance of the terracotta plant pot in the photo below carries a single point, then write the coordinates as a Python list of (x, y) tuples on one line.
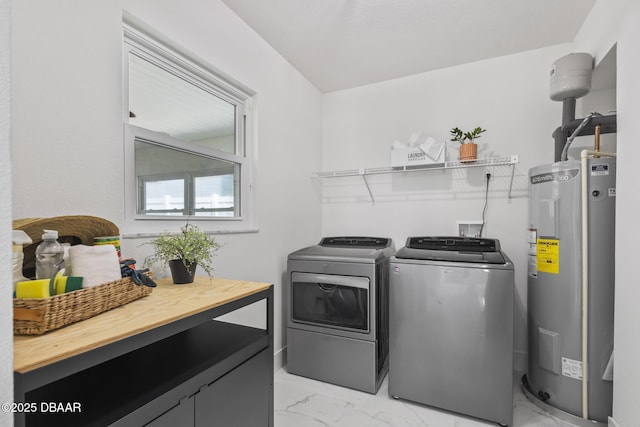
[(468, 152), (180, 273)]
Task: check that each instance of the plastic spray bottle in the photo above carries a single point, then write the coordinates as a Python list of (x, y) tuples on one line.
[(18, 238)]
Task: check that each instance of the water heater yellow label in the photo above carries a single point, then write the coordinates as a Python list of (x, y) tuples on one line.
[(548, 255)]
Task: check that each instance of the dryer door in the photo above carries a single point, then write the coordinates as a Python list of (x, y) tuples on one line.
[(340, 302)]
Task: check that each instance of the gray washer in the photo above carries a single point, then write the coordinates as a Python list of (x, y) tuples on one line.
[(451, 326)]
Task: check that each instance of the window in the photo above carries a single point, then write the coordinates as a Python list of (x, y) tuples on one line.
[(172, 182), (186, 144)]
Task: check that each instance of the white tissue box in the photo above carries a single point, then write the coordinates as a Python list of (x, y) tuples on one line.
[(422, 155)]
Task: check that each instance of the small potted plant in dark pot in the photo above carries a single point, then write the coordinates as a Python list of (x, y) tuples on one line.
[(184, 251)]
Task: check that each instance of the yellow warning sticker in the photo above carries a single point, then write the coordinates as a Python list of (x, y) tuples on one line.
[(548, 255)]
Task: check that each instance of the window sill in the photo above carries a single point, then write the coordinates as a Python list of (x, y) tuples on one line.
[(156, 234)]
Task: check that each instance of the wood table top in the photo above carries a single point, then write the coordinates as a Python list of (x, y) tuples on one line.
[(167, 303)]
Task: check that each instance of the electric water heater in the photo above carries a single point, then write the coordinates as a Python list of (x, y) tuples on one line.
[(571, 286)]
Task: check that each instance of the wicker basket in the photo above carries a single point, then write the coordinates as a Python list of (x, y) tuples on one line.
[(35, 316), (73, 229)]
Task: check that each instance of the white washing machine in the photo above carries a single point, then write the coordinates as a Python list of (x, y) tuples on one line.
[(451, 326)]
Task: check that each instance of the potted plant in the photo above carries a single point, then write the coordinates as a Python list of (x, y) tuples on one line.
[(468, 147), (184, 251)]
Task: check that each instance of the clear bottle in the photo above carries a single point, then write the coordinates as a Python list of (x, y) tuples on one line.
[(49, 257)]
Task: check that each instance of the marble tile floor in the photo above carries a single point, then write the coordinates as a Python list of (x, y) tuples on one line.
[(302, 402)]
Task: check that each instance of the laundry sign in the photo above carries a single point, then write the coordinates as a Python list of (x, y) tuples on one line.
[(548, 256)]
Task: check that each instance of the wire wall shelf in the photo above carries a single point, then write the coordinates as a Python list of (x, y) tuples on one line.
[(490, 164)]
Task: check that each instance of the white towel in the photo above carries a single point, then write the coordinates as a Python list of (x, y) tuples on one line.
[(96, 264)]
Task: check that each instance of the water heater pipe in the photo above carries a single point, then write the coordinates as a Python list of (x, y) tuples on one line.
[(585, 276), (565, 150), (561, 134), (568, 111)]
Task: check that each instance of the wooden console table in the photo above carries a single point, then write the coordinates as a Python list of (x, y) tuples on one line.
[(159, 361)]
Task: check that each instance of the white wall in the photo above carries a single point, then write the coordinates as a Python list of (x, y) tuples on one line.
[(67, 101), (6, 320), (627, 317), (509, 96), (617, 22)]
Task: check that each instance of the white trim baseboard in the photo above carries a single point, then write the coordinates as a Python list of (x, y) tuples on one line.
[(280, 359), (613, 423)]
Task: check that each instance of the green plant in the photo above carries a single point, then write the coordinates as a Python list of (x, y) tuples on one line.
[(460, 136), (191, 245)]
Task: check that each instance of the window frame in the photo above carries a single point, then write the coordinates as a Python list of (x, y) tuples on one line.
[(161, 54), (141, 205)]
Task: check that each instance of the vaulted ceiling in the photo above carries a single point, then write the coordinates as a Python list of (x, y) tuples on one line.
[(339, 44)]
